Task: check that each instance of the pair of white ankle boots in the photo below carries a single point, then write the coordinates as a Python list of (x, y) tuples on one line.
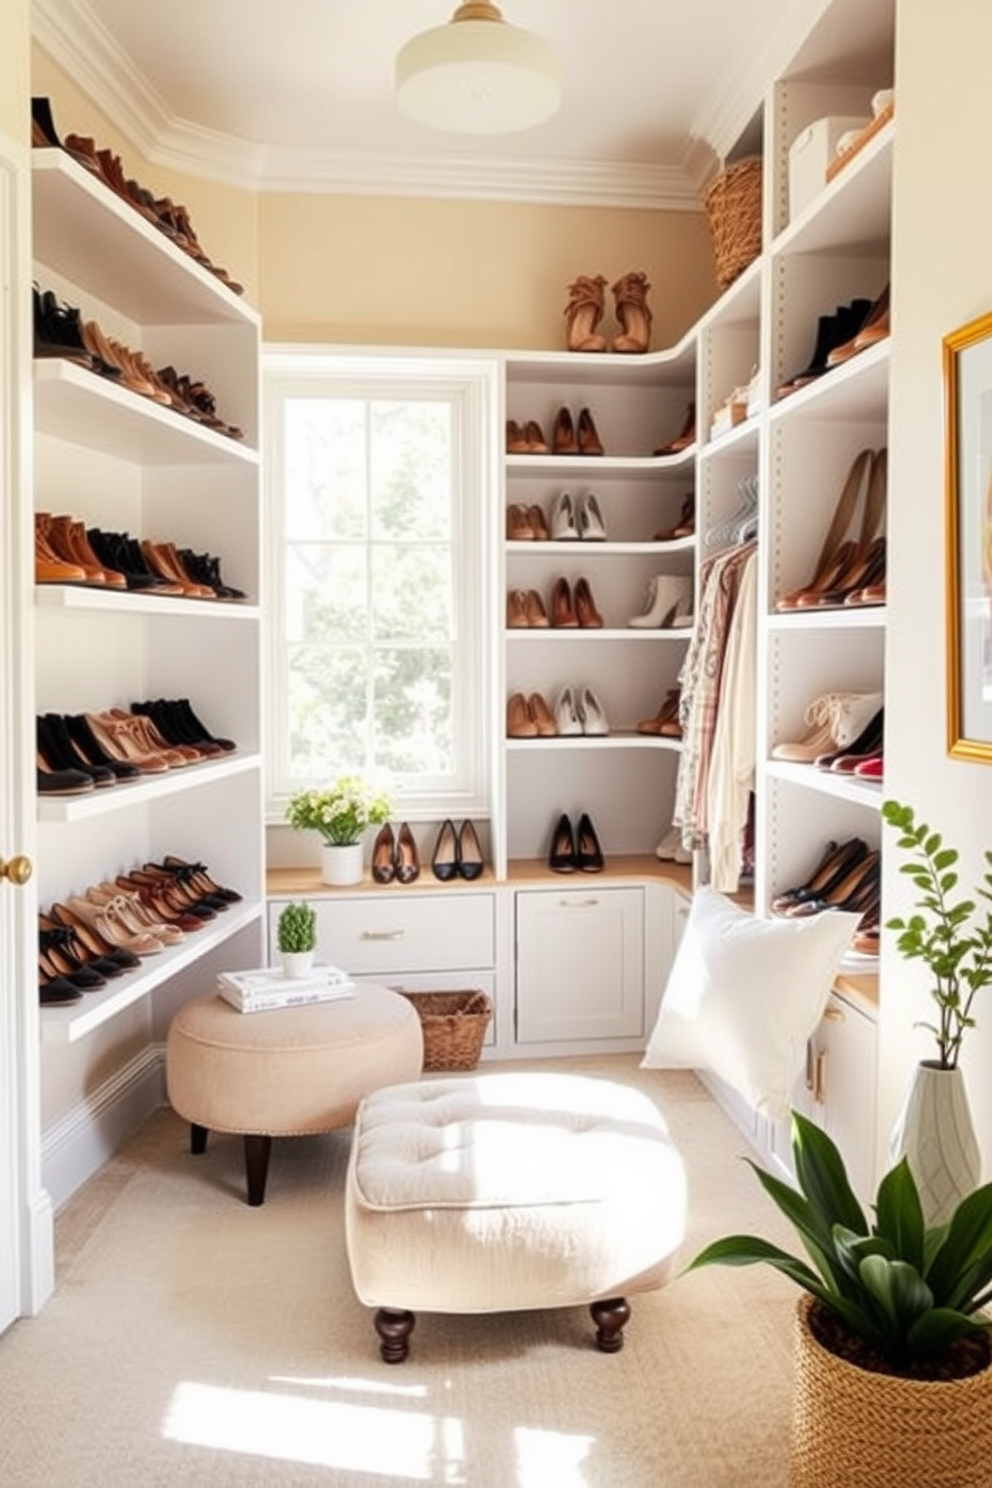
[(667, 604)]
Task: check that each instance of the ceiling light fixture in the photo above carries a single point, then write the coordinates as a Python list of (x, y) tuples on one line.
[(478, 74)]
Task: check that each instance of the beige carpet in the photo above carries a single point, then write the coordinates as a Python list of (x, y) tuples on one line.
[(192, 1340)]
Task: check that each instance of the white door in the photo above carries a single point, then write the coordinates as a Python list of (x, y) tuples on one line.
[(25, 1212)]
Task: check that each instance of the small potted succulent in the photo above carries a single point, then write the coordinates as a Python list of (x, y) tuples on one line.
[(297, 937)]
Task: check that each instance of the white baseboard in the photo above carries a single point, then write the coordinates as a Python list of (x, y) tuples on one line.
[(82, 1140)]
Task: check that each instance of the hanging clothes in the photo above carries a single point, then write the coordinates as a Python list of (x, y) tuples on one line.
[(732, 759)]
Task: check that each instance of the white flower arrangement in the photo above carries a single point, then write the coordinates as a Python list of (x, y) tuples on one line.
[(341, 811)]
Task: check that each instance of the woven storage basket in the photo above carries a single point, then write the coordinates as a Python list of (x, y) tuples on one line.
[(454, 1025), (733, 208), (854, 1429)]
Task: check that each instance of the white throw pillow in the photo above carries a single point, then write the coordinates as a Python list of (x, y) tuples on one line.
[(745, 994)]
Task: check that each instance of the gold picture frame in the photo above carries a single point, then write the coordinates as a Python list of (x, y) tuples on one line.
[(967, 358)]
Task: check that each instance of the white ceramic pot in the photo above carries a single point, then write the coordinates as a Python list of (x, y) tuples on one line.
[(934, 1130), (341, 865), (296, 964)]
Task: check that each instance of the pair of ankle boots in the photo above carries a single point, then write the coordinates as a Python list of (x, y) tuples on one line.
[(586, 306)]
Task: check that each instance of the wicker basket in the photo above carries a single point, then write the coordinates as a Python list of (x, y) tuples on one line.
[(852, 1429), (454, 1025), (733, 208)]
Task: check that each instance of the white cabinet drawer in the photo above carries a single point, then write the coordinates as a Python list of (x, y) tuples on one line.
[(384, 933)]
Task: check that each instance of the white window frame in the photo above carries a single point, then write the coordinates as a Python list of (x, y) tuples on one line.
[(472, 384)]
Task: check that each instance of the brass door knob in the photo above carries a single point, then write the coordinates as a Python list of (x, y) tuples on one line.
[(18, 869)]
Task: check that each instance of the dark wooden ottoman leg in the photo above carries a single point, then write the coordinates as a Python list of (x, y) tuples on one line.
[(394, 1327), (610, 1318), (197, 1139), (257, 1151)]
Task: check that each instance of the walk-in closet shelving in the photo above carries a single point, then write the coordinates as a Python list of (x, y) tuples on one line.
[(121, 462)]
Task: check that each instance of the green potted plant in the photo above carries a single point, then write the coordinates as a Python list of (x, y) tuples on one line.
[(296, 932), (894, 1357), (340, 813), (953, 939)]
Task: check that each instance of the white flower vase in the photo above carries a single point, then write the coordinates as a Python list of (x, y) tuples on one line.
[(341, 865), (934, 1130), (297, 964)]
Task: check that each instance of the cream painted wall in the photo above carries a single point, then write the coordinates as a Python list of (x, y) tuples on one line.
[(224, 218), (361, 270), (15, 85), (942, 278)]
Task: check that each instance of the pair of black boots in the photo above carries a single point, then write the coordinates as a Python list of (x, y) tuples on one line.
[(575, 850), (71, 760), (832, 331)]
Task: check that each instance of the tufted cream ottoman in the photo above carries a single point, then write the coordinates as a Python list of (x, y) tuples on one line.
[(498, 1192), (289, 1072)]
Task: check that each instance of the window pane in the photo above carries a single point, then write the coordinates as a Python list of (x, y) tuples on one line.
[(410, 464), (326, 592), (413, 711)]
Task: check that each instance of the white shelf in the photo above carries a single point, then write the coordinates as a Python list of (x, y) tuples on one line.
[(851, 617), (857, 390), (67, 1024), (91, 236), (93, 598), (618, 739), (568, 635), (854, 210), (128, 793), (86, 409), (598, 467), (827, 783), (595, 549), (671, 368)]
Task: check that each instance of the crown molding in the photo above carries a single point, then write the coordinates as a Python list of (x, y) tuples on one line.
[(85, 50)]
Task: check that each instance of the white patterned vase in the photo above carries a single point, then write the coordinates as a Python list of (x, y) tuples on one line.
[(341, 865), (934, 1130)]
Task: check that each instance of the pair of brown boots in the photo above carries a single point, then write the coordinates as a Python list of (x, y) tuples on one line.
[(586, 306)]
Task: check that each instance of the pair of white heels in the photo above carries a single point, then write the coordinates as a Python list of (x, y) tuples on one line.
[(575, 519), (579, 711), (667, 605)]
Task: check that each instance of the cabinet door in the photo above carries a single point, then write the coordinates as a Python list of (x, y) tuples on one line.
[(843, 1094), (580, 964)]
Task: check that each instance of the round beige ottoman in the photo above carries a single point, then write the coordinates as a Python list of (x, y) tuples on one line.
[(497, 1192), (287, 1072)]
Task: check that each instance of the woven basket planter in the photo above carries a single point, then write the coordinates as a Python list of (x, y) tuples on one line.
[(454, 1025), (855, 1429), (733, 210)]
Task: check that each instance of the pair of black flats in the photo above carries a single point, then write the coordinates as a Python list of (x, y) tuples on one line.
[(575, 850), (457, 854)]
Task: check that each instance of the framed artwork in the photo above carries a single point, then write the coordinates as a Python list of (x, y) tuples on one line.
[(968, 457)]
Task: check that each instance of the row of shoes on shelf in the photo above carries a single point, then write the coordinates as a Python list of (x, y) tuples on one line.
[(60, 331), (586, 305), (456, 854), (572, 519), (846, 735), (576, 711), (569, 436), (169, 218), (66, 551), (850, 570), (569, 609), (575, 849), (81, 752), (851, 329), (847, 878), (107, 930)]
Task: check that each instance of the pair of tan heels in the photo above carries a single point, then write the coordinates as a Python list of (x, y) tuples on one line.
[(568, 436), (585, 309), (851, 568)]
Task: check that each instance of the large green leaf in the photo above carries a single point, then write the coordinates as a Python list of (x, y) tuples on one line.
[(899, 1295), (812, 1228), (935, 1329), (822, 1177), (899, 1214), (968, 1240)]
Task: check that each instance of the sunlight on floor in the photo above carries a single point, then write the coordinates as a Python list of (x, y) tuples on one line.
[(549, 1457), (405, 1443)]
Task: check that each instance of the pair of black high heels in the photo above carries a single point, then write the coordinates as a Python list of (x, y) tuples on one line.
[(456, 854), (575, 851), (395, 855)]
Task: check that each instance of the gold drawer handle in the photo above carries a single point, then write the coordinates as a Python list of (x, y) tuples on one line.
[(577, 903), (382, 934), (833, 1015)]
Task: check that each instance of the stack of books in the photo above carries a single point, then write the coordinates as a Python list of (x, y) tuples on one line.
[(265, 988)]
